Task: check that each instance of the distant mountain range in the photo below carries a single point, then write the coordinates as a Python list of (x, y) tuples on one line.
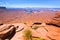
[(34, 9), (31, 9), (3, 8)]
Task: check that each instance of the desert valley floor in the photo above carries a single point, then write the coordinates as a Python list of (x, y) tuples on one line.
[(40, 25)]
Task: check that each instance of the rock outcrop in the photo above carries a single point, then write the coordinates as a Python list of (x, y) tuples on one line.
[(7, 31), (16, 31), (55, 21)]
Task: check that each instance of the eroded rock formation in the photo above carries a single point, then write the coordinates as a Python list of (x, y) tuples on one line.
[(55, 21), (7, 31), (17, 31)]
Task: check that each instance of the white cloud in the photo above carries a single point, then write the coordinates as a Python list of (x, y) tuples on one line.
[(3, 3)]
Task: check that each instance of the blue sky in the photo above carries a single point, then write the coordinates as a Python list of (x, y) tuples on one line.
[(30, 3)]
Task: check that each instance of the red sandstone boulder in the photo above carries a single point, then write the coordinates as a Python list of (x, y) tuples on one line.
[(6, 31)]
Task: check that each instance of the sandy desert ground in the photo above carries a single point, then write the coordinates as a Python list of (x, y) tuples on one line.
[(13, 22)]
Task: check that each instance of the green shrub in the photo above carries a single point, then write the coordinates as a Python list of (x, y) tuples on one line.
[(41, 38), (37, 38), (28, 34), (35, 27)]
